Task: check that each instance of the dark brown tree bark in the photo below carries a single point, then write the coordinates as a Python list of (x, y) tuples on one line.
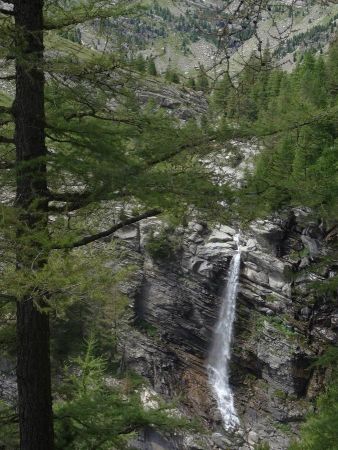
[(33, 364)]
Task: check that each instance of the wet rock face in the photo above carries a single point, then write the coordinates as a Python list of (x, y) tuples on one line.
[(279, 329)]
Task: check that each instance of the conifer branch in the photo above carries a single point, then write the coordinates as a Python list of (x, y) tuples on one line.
[(68, 196), (8, 77), (95, 237), (5, 122), (91, 12), (73, 200), (180, 149), (6, 140), (6, 165), (295, 126), (6, 110), (6, 12), (64, 141), (7, 298), (94, 115)]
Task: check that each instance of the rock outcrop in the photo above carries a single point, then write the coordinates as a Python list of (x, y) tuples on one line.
[(280, 328)]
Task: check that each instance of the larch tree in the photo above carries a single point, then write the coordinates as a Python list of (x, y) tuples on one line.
[(74, 137)]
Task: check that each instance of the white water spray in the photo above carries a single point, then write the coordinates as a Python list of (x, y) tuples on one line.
[(219, 358)]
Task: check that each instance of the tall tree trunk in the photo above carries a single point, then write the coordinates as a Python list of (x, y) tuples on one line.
[(33, 364)]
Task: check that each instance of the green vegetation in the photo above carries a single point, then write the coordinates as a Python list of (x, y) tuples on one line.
[(84, 154), (284, 427), (262, 446), (9, 438), (314, 38), (271, 298), (93, 414), (147, 327), (282, 395), (279, 323), (320, 431), (296, 117), (172, 76), (94, 410), (83, 157), (164, 245)]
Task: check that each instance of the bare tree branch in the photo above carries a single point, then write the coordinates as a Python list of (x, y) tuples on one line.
[(95, 237)]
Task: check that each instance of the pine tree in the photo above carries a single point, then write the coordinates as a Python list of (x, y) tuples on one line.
[(221, 94), (202, 81), (298, 120), (92, 415), (191, 83), (140, 63), (172, 76), (151, 67)]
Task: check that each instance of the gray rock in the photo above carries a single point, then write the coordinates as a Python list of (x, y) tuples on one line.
[(271, 354), (311, 244)]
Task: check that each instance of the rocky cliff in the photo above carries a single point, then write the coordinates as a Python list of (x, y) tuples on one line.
[(281, 326)]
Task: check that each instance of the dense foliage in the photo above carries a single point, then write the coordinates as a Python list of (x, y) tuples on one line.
[(295, 115), (84, 152), (96, 408), (320, 430), (98, 412)]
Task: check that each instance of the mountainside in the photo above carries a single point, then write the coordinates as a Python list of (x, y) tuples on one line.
[(280, 327), (169, 226), (185, 35)]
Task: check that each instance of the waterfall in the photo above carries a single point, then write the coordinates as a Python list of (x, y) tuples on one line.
[(219, 358)]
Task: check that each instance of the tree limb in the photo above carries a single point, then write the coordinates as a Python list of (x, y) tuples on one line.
[(6, 12), (69, 196), (310, 121), (7, 298), (7, 77), (6, 165), (12, 418), (6, 110), (180, 149), (95, 237), (5, 122), (72, 201), (6, 140)]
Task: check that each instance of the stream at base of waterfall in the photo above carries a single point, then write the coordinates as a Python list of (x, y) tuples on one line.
[(220, 353)]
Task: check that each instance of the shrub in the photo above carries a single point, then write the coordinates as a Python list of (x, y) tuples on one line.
[(164, 245)]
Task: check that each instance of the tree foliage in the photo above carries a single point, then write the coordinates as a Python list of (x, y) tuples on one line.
[(95, 414), (82, 156), (295, 116), (320, 430)]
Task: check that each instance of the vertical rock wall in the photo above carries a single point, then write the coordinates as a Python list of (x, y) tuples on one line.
[(279, 327)]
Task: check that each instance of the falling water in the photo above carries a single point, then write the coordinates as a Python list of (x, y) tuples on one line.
[(219, 358)]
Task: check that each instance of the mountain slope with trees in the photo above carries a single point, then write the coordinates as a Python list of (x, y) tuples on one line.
[(84, 156)]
